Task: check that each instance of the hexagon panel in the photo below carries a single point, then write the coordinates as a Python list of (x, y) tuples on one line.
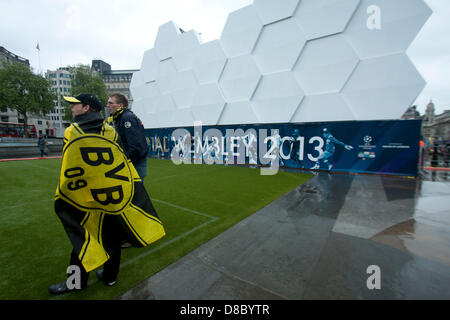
[(137, 84), (239, 78), (175, 117), (145, 105), (376, 92), (166, 40), (164, 102), (240, 112), (187, 45), (323, 107), (285, 61), (241, 31), (150, 119), (149, 66), (272, 11), (319, 18), (141, 89), (277, 97), (384, 27), (165, 75), (209, 62), (183, 86), (279, 46), (320, 72), (208, 104)]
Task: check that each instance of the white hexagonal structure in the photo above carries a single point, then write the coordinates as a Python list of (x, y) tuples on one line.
[(141, 89), (271, 11), (149, 66), (285, 61), (166, 40), (277, 97), (180, 118), (399, 23), (323, 107), (320, 72), (166, 73), (240, 112), (279, 46), (375, 91), (209, 62), (319, 18), (241, 31), (239, 78), (137, 85), (162, 103), (208, 104), (187, 45), (183, 86), (150, 119)]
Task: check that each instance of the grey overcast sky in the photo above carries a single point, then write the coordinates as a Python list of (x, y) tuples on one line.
[(119, 31)]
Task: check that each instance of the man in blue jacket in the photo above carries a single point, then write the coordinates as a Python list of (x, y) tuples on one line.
[(130, 130)]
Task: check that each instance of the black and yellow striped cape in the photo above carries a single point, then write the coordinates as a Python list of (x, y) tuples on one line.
[(96, 180)]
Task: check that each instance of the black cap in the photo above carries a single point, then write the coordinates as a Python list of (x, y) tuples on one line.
[(86, 98)]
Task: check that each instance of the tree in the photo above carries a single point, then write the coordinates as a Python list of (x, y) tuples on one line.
[(86, 80), (24, 91)]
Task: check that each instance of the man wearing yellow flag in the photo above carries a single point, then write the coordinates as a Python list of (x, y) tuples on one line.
[(100, 198)]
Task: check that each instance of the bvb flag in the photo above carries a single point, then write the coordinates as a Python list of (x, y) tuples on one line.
[(97, 180)]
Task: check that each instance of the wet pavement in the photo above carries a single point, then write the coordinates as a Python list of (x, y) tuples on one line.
[(318, 241)]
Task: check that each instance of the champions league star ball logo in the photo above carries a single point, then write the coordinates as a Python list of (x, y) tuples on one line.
[(367, 140)]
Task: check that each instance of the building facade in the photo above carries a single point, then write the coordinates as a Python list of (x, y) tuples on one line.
[(8, 115), (434, 126), (9, 57), (411, 114), (61, 85), (116, 81)]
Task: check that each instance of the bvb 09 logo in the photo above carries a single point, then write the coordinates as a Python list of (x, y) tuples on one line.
[(97, 175)]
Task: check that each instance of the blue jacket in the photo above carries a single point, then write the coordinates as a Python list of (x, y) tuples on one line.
[(132, 135)]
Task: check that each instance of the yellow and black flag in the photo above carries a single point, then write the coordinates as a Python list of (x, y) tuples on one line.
[(98, 181)]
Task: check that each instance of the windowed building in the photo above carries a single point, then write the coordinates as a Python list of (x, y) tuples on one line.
[(116, 81), (61, 84)]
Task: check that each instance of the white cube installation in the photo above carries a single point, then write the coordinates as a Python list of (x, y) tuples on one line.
[(290, 61)]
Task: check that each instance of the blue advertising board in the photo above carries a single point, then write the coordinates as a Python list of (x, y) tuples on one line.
[(381, 146)]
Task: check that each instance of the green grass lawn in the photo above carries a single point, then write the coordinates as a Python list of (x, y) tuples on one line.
[(195, 203)]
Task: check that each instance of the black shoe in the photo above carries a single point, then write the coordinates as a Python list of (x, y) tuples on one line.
[(60, 288), (100, 276), (126, 245)]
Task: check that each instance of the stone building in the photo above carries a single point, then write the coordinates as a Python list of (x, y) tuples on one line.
[(434, 126), (411, 114), (9, 57)]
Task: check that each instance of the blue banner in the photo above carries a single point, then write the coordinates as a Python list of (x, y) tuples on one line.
[(381, 147)]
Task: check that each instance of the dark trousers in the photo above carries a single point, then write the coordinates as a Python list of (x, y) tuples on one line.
[(141, 168), (112, 244)]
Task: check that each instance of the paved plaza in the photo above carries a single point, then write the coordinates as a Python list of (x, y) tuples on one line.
[(318, 241)]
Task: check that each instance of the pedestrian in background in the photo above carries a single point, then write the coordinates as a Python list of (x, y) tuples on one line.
[(42, 142), (435, 153)]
